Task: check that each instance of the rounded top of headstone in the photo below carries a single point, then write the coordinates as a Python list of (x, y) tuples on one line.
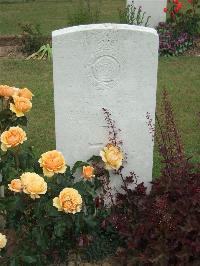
[(104, 26)]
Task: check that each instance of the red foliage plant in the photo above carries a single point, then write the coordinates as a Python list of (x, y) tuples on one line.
[(162, 227)]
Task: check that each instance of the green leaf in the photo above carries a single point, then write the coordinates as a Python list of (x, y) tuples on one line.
[(14, 203), (37, 168), (77, 165), (2, 205), (9, 173), (5, 114), (41, 237), (22, 121), (97, 183), (13, 262), (68, 221), (60, 228), (91, 222), (95, 158), (79, 223), (51, 210), (23, 158), (29, 259)]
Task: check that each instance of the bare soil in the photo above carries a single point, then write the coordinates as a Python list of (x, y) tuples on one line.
[(10, 47), (194, 51)]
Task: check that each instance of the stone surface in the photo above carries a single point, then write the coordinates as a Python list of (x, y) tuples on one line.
[(111, 66), (153, 8)]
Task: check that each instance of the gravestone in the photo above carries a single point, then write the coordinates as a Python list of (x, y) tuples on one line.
[(153, 8), (105, 66)]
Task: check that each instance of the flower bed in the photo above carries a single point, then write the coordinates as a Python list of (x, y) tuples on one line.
[(49, 214), (178, 34)]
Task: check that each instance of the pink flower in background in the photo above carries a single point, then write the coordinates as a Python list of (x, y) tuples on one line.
[(165, 9)]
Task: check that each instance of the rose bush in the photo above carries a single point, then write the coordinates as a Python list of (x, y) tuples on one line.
[(46, 211)]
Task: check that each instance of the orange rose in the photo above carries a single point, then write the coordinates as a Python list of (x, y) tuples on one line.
[(21, 105), (26, 93), (52, 162), (12, 137), (69, 201), (6, 91), (112, 157), (88, 172), (33, 184), (15, 185)]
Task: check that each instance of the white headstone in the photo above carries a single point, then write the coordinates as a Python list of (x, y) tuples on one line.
[(153, 8), (105, 66)]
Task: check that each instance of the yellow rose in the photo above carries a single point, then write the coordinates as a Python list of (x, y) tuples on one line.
[(33, 184), (12, 137), (26, 93), (3, 241), (21, 105), (69, 201), (15, 185), (88, 172), (112, 157), (52, 162), (6, 91)]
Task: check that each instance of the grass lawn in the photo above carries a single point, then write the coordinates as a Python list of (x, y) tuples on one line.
[(179, 75), (50, 14)]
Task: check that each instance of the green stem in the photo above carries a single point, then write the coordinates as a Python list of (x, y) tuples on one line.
[(1, 103), (16, 158)]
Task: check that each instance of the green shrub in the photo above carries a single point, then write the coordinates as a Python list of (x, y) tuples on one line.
[(84, 13), (48, 212), (31, 37)]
